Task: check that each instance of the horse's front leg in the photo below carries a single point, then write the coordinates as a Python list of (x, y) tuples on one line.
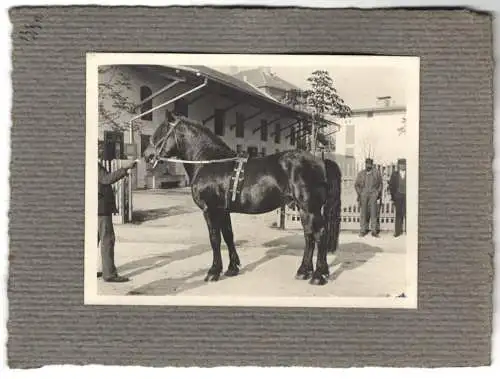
[(213, 223), (227, 232), (306, 268)]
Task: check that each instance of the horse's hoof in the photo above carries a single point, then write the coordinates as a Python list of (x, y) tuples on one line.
[(232, 272), (212, 277), (319, 280), (303, 276)]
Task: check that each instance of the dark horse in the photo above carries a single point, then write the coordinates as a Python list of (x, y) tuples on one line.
[(268, 183)]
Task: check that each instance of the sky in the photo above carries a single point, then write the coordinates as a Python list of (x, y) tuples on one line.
[(359, 87)]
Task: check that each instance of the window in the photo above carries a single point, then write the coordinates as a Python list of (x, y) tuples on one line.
[(219, 118), (263, 152), (277, 151), (349, 135), (277, 133), (239, 149), (252, 151), (181, 107), (263, 130), (292, 136), (240, 125), (148, 105)]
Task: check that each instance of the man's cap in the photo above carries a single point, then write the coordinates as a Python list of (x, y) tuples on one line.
[(402, 161), (368, 160)]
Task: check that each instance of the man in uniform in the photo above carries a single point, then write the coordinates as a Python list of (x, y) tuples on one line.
[(397, 188), (368, 187), (106, 208)]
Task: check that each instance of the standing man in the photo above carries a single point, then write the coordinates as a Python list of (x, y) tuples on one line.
[(368, 187), (397, 188), (106, 208)]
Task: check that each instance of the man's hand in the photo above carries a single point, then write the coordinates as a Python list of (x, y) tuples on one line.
[(130, 165)]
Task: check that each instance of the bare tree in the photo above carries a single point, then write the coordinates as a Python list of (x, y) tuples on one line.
[(114, 84), (402, 128), (369, 146)]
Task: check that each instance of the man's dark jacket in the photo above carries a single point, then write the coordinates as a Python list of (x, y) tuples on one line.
[(394, 184), (106, 195)]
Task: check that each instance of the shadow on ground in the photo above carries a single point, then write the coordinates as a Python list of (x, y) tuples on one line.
[(348, 257), (140, 216), (142, 265)]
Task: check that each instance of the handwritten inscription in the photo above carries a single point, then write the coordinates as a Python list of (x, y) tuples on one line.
[(30, 30)]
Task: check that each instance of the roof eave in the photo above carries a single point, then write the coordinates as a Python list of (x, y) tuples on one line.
[(261, 96)]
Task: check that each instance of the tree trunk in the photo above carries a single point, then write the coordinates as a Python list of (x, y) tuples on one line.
[(313, 137), (282, 217)]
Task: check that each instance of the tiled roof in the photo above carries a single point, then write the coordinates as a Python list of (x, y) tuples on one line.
[(240, 85), (259, 77)]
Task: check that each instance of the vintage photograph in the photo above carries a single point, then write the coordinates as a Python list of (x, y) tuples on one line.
[(252, 180)]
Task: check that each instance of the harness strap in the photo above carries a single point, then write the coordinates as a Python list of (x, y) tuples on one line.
[(237, 178), (201, 162)]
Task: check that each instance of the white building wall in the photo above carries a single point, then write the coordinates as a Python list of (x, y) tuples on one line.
[(199, 110), (376, 136)]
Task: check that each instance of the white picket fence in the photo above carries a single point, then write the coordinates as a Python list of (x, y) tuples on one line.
[(350, 214), (123, 192)]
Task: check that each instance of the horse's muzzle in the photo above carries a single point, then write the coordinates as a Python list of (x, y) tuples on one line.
[(149, 154), (150, 158)]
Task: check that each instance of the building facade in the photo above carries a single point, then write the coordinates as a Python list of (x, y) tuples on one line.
[(375, 132), (246, 121), (267, 81)]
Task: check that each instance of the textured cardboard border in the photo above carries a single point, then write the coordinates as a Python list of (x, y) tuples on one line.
[(48, 323)]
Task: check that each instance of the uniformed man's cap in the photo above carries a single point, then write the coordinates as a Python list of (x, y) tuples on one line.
[(368, 160), (402, 162)]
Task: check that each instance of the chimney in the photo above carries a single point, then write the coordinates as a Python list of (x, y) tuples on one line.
[(383, 101), (266, 70)]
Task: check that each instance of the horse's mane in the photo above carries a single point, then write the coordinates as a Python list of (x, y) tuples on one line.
[(218, 146)]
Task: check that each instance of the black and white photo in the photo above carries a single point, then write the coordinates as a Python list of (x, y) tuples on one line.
[(252, 180)]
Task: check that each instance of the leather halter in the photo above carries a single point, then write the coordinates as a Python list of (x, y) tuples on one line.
[(159, 146)]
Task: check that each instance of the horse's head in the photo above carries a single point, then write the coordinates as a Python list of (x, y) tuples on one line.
[(163, 142)]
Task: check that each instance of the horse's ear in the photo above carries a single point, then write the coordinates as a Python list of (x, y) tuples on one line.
[(169, 116)]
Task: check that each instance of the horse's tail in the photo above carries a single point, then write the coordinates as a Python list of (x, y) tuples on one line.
[(332, 207)]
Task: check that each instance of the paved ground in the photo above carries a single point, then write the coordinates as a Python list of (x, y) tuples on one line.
[(167, 252)]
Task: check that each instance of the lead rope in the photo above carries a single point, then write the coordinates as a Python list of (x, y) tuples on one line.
[(200, 162)]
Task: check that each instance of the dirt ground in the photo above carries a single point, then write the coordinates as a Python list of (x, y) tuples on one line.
[(166, 251)]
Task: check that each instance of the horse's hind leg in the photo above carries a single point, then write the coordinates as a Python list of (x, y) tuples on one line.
[(306, 268), (213, 220), (322, 271), (227, 233)]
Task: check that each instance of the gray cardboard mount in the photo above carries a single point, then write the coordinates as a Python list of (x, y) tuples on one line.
[(48, 323)]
